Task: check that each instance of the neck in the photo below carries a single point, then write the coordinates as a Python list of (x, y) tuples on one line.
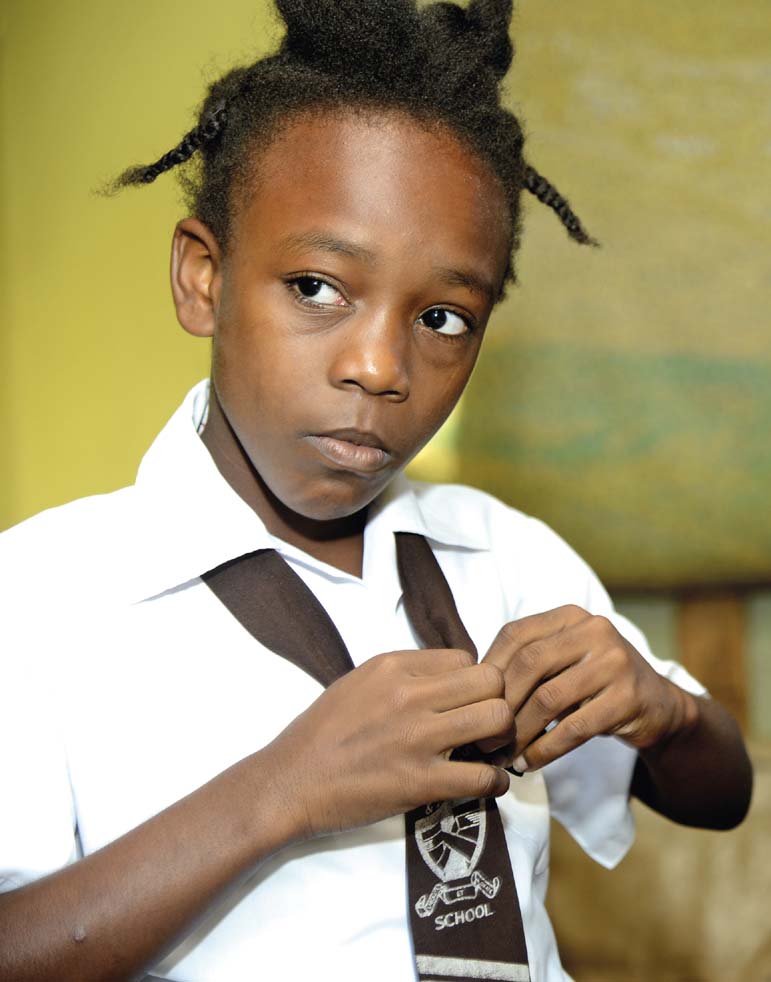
[(339, 542)]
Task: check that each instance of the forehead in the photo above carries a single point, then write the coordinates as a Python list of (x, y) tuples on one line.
[(385, 177)]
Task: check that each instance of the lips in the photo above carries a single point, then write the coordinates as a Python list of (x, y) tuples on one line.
[(352, 449)]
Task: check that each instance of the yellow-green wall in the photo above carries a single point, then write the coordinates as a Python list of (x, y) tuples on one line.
[(92, 359), (624, 393)]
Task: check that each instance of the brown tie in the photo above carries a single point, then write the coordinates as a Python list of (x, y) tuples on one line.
[(464, 912)]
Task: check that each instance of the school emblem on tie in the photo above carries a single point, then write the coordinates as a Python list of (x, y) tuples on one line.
[(451, 839)]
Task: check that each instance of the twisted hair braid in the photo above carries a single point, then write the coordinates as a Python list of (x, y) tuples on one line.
[(548, 195), (440, 64), (207, 129)]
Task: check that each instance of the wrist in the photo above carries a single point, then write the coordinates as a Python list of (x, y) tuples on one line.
[(691, 711), (267, 802), (688, 713), (683, 718)]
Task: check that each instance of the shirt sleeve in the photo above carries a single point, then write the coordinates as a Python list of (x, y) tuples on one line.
[(589, 788), (37, 817)]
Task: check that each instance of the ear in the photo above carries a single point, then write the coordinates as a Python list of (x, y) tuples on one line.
[(195, 275)]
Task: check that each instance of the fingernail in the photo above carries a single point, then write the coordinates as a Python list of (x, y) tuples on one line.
[(520, 764)]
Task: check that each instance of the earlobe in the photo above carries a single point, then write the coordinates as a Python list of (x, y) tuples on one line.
[(195, 266)]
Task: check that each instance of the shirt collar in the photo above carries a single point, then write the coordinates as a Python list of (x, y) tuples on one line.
[(190, 520), (402, 507)]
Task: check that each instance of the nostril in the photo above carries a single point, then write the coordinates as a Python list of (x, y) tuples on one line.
[(395, 390)]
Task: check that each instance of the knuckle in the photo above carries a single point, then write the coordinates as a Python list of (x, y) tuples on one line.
[(464, 659), (547, 699), (573, 611), (386, 664), (465, 719), (617, 657), (510, 632), (576, 728), (490, 676), (487, 782), (530, 657), (501, 716), (602, 625)]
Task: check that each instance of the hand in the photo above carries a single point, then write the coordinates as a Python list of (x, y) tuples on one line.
[(377, 742), (572, 669)]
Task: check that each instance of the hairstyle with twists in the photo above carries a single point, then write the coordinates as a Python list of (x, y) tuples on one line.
[(440, 63)]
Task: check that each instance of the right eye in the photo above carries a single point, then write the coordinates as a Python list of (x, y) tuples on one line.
[(445, 322), (316, 292)]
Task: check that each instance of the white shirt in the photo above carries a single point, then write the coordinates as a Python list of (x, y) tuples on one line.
[(126, 685)]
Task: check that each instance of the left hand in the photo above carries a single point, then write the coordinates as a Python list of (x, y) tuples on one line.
[(573, 669)]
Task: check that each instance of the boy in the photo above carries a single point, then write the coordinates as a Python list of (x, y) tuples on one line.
[(201, 804)]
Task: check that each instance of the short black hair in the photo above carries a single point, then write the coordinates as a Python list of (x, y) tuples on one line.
[(440, 63)]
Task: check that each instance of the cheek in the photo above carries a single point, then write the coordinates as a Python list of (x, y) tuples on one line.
[(451, 382), (245, 365), (439, 400)]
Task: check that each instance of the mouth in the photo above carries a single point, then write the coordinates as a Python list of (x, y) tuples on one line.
[(352, 449)]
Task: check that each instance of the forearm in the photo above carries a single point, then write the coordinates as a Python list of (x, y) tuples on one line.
[(117, 911), (700, 775), (374, 744)]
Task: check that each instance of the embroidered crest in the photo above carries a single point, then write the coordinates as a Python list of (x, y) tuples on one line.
[(451, 840)]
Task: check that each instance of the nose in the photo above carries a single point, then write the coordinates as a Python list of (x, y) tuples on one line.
[(373, 356)]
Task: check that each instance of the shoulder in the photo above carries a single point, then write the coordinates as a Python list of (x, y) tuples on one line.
[(470, 513), (71, 551), (500, 526)]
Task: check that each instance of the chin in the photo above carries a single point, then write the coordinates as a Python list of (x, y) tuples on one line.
[(337, 506), (333, 511)]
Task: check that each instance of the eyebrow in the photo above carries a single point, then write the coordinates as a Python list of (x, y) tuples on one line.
[(465, 277), (328, 243)]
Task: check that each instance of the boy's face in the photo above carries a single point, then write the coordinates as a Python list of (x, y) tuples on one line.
[(350, 307)]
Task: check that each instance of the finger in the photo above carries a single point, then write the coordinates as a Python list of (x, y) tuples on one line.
[(552, 700), (449, 780), (469, 724), (594, 718), (538, 663), (536, 686), (517, 634), (500, 742), (463, 687), (583, 661)]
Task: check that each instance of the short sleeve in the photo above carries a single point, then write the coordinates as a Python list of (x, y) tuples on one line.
[(37, 817)]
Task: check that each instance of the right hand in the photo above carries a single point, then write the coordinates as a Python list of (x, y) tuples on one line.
[(377, 742)]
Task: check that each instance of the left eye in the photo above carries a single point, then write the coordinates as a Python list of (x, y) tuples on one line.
[(316, 290), (444, 321)]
